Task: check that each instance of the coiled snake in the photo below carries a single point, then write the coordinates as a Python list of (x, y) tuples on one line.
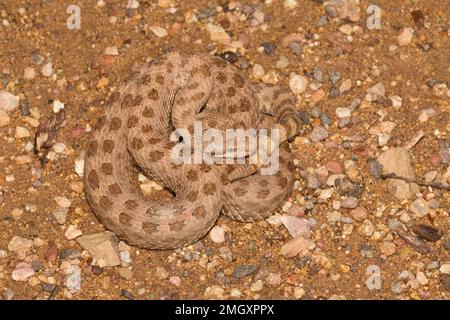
[(173, 92)]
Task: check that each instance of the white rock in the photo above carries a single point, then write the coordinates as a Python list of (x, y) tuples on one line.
[(60, 215), (258, 71), (296, 226), (103, 248), (426, 114), (373, 282), (19, 244), (59, 148), (383, 139), (299, 245), (343, 112), (57, 106), (445, 268), (405, 37), (125, 257), (421, 277), (79, 166), (282, 63), (8, 101), (398, 161), (214, 292), (22, 272), (419, 208), (62, 202), (217, 234), (161, 273), (397, 102), (326, 194), (366, 228), (257, 286), (47, 69), (29, 73), (218, 34), (274, 220), (270, 77), (377, 90), (73, 279), (383, 127), (21, 133), (72, 232), (346, 29), (345, 85), (235, 293), (297, 83), (299, 293), (112, 51), (158, 31)]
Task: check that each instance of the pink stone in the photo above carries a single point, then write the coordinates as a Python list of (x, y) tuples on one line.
[(22, 272), (334, 166), (175, 280), (359, 213), (436, 160), (299, 245), (318, 95), (296, 211), (296, 226), (76, 132)]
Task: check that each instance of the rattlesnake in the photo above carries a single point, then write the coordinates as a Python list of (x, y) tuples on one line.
[(172, 92)]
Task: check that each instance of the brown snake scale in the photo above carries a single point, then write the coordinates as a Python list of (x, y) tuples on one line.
[(173, 92)]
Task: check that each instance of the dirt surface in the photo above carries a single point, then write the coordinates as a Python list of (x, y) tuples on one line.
[(358, 238)]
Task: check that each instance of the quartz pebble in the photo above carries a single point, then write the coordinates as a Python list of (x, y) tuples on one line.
[(22, 272), (298, 83), (19, 244), (103, 248), (72, 232), (47, 69), (158, 31), (29, 73), (405, 37), (217, 234), (319, 133)]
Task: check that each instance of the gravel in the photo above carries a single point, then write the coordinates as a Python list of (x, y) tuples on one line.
[(243, 271)]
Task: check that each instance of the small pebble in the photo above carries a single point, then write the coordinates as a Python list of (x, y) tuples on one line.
[(298, 83), (257, 286), (269, 48), (47, 69), (217, 234), (319, 133), (243, 271), (22, 272)]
